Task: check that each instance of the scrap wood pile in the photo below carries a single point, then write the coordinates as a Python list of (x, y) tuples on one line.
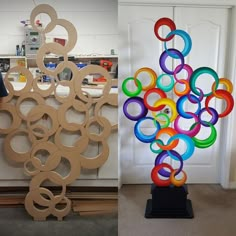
[(83, 203)]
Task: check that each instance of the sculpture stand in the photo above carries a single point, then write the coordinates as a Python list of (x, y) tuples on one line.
[(169, 202)]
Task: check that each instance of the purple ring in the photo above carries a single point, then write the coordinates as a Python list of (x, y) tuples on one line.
[(162, 156), (140, 102), (164, 56), (201, 96), (214, 118)]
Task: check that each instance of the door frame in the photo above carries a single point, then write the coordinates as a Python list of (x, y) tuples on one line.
[(227, 132)]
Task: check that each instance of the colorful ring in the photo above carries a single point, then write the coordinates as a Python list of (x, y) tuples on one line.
[(197, 73), (128, 92), (156, 179), (171, 132), (212, 112), (180, 105), (167, 121), (222, 94), (162, 156), (142, 137), (179, 182), (164, 21), (152, 74), (186, 67), (150, 91), (165, 88), (226, 82), (143, 109), (200, 98), (205, 143), (185, 91), (191, 132), (187, 42), (164, 56), (169, 102), (189, 146)]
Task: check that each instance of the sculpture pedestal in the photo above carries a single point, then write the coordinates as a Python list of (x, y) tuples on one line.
[(169, 202)]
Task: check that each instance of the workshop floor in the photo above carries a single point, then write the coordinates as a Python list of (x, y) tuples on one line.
[(16, 222), (214, 213)]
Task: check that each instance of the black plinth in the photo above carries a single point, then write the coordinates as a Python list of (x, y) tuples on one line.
[(169, 202)]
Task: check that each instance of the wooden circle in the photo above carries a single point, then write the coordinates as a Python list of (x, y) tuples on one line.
[(47, 9), (72, 34), (53, 159), (43, 92), (111, 99), (74, 160), (36, 136), (8, 150), (98, 161), (71, 94), (78, 106), (37, 113), (55, 48), (79, 146), (101, 120), (29, 95), (92, 69), (16, 120), (28, 84)]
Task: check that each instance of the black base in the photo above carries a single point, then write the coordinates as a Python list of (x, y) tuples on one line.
[(169, 202)]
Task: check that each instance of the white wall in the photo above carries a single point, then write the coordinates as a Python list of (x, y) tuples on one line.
[(95, 21)]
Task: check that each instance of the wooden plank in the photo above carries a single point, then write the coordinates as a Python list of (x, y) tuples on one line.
[(95, 205)]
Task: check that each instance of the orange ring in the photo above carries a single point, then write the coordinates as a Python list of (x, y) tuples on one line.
[(185, 91), (226, 82), (176, 182), (151, 73), (170, 131)]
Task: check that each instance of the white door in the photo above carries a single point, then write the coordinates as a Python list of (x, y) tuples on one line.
[(139, 48)]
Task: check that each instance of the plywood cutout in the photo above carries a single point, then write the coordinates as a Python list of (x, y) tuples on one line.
[(40, 202)]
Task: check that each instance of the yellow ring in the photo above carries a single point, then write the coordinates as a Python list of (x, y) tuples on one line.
[(170, 103), (176, 182), (151, 73)]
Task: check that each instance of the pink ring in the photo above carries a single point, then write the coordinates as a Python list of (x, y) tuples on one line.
[(186, 67), (192, 132)]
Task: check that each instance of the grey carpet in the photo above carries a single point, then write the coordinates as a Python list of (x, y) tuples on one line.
[(17, 222), (214, 213)]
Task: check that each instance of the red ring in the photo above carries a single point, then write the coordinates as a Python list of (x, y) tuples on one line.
[(155, 178), (222, 94), (164, 21), (157, 91)]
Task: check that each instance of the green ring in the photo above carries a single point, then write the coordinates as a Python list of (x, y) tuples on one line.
[(197, 73), (156, 141), (165, 88), (129, 93), (205, 143), (166, 117)]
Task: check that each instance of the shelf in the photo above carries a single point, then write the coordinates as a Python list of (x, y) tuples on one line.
[(12, 57)]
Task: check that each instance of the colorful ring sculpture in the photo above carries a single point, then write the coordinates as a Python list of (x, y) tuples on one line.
[(159, 175)]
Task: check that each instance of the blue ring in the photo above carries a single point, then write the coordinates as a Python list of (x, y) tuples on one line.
[(189, 143), (187, 42), (180, 105), (142, 137)]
